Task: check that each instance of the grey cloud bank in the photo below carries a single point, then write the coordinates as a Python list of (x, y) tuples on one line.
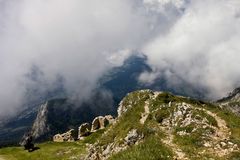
[(202, 48), (78, 41)]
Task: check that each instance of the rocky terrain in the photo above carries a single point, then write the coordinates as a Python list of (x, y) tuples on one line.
[(159, 125), (232, 101), (175, 127), (153, 125)]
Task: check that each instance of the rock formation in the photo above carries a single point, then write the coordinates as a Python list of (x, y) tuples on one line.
[(178, 118), (101, 122), (40, 126), (84, 130), (65, 137)]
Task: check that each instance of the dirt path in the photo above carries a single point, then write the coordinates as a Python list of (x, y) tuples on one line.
[(168, 140), (221, 137), (1, 158), (146, 113), (223, 132)]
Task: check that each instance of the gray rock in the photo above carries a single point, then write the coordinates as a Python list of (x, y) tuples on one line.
[(65, 137), (132, 137), (99, 123), (84, 130), (40, 126)]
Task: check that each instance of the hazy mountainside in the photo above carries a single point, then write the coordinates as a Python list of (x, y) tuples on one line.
[(111, 89), (150, 126), (232, 101), (159, 125), (59, 115), (13, 129), (54, 116)]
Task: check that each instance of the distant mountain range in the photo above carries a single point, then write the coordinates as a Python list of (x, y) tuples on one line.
[(55, 115)]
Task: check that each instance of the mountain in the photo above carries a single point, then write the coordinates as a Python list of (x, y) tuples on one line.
[(12, 130), (232, 101), (112, 87), (159, 125), (53, 116), (152, 125)]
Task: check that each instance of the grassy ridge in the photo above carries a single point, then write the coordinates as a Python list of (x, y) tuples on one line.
[(152, 146)]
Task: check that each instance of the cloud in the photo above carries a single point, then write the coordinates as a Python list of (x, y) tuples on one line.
[(69, 44), (201, 48), (45, 44)]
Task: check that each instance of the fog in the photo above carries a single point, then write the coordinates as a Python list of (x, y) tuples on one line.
[(45, 44)]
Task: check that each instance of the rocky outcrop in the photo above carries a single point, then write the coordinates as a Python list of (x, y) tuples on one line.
[(133, 137), (101, 122), (40, 126), (179, 119), (104, 152), (231, 102), (123, 107), (65, 137), (84, 130)]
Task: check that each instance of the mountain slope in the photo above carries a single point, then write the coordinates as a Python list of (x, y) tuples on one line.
[(157, 125), (112, 87), (231, 102)]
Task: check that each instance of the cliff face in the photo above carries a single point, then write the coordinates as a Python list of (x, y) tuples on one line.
[(40, 126), (59, 115), (232, 101), (12, 130)]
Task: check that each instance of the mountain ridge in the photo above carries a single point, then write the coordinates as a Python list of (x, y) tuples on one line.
[(155, 125)]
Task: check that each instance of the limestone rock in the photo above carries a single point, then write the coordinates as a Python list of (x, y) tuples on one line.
[(84, 130), (99, 122), (110, 119), (40, 126), (132, 137), (65, 137)]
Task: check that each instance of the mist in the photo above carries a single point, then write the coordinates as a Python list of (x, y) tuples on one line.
[(45, 44), (201, 48)]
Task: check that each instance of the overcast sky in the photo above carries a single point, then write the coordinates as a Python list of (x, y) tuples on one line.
[(79, 40)]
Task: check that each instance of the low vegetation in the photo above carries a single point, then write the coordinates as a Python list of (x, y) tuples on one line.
[(175, 128)]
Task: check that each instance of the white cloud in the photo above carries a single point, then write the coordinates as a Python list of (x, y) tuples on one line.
[(78, 41), (71, 39), (202, 47)]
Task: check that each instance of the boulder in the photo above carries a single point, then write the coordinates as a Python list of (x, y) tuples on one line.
[(99, 123), (84, 130), (57, 138), (110, 119), (65, 137), (133, 137)]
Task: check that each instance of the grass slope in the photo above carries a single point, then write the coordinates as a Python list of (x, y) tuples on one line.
[(52, 150), (153, 146)]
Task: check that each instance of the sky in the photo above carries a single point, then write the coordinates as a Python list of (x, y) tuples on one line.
[(74, 42)]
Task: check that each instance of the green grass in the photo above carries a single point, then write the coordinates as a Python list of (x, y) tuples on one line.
[(232, 120), (162, 114), (129, 120), (47, 151), (52, 150), (150, 149), (94, 136)]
